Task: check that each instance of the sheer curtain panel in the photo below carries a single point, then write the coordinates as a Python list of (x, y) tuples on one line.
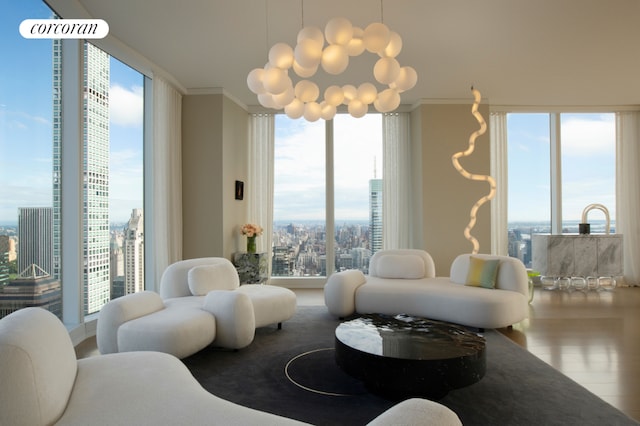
[(628, 191), (499, 171), (260, 179), (166, 200), (396, 184)]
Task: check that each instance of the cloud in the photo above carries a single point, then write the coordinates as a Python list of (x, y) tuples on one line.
[(582, 137), (300, 167), (21, 120), (584, 190), (126, 105), (25, 191), (125, 155), (126, 183)]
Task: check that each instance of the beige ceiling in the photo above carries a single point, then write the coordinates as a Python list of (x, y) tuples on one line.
[(516, 52)]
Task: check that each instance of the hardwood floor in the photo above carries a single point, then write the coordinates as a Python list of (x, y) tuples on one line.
[(594, 338)]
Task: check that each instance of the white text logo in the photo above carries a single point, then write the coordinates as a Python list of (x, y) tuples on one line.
[(64, 28)]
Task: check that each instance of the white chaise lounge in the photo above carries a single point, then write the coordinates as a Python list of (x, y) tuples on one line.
[(405, 282), (44, 384), (200, 303)]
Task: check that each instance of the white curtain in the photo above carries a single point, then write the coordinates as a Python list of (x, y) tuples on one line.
[(628, 191), (396, 190), (499, 171), (259, 189), (166, 180)]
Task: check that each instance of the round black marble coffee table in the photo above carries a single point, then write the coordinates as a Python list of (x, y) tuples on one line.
[(399, 357)]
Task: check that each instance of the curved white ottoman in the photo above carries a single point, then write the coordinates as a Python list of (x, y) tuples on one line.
[(239, 312), (234, 318), (415, 411), (271, 304), (176, 331)]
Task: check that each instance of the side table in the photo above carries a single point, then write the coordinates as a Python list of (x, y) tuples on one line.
[(252, 267)]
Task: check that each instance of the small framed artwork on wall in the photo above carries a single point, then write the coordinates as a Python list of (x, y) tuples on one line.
[(239, 190)]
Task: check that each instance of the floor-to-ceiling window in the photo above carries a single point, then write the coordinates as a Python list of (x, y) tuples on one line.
[(357, 145), (588, 161), (529, 199), (322, 194), (78, 173), (28, 102), (558, 163), (299, 202)]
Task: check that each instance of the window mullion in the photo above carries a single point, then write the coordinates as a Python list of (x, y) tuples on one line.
[(71, 178), (556, 173), (330, 199), (148, 189)]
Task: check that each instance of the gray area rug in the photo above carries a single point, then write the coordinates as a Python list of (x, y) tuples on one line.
[(291, 372)]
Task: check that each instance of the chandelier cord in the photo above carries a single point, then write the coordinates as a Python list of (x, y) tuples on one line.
[(266, 24)]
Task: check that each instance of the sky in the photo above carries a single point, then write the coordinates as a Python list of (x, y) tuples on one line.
[(26, 149), (588, 165), (26, 121), (300, 171)]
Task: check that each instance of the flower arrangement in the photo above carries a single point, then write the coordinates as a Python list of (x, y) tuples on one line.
[(251, 230)]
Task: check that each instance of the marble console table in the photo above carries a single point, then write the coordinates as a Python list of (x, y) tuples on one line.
[(568, 255)]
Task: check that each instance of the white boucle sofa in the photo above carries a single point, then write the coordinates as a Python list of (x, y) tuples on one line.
[(404, 281), (44, 384), (200, 303)]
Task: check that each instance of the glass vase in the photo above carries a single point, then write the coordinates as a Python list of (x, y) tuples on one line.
[(251, 244), (530, 289)]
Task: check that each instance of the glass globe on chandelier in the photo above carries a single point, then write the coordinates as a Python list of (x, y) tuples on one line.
[(275, 88)]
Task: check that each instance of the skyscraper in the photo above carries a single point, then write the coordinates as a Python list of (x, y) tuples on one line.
[(375, 215), (35, 238), (57, 158), (5, 247), (134, 253), (281, 262), (116, 266), (96, 173), (33, 287)]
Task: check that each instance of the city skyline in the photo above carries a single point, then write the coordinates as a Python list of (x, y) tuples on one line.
[(31, 148)]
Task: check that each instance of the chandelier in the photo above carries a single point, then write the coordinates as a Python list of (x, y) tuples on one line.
[(275, 88)]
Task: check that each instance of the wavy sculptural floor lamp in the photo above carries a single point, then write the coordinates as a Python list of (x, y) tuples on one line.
[(486, 178)]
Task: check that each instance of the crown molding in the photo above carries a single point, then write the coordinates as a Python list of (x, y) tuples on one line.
[(564, 108)]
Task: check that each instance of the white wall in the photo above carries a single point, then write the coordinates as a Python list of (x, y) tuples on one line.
[(214, 152), (447, 197)]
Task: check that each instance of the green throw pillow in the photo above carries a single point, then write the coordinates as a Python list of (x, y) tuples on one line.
[(482, 272)]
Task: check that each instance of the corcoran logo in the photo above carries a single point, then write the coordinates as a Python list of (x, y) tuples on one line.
[(64, 28)]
